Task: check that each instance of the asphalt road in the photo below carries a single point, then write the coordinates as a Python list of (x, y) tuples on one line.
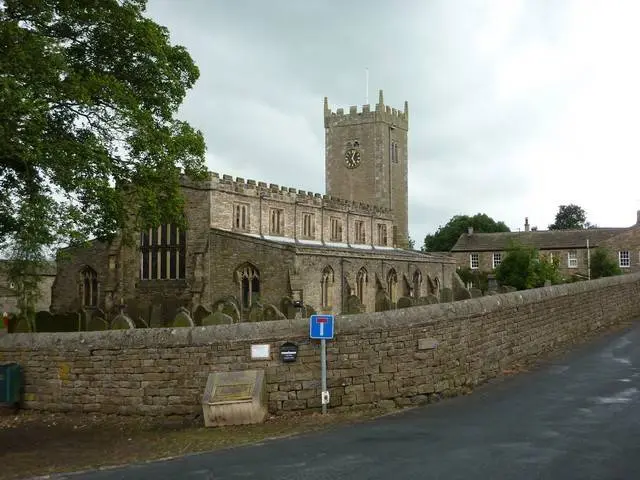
[(577, 418)]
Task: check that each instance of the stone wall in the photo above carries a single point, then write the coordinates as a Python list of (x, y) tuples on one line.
[(404, 356)]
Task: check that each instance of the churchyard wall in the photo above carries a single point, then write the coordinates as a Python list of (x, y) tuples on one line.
[(400, 357)]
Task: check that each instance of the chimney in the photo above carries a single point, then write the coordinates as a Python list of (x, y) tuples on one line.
[(470, 230), (638, 217), (526, 224)]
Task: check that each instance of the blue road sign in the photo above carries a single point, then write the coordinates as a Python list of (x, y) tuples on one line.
[(321, 326)]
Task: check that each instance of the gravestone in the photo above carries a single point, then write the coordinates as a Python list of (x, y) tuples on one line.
[(97, 324), (45, 322), (155, 316), (23, 326), (182, 318), (404, 302), (217, 318), (67, 322), (446, 295), (383, 302), (256, 312), (354, 305), (139, 322), (122, 322), (235, 398), (462, 294), (475, 292), (271, 312), (287, 308), (201, 312), (432, 299)]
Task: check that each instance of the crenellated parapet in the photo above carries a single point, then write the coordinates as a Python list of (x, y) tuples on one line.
[(380, 113), (279, 193)]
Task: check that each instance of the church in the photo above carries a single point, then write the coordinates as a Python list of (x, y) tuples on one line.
[(262, 251)]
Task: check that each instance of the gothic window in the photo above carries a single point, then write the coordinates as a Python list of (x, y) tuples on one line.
[(248, 278), (89, 287), (276, 224), (382, 234), (308, 225), (336, 229), (361, 236), (361, 284), (163, 253), (241, 216), (392, 285), (417, 284), (326, 287)]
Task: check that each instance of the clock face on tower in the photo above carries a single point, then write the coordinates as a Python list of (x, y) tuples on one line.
[(352, 158)]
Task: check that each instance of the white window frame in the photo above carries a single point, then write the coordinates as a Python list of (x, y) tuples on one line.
[(496, 259), (572, 259), (624, 259), (474, 259)]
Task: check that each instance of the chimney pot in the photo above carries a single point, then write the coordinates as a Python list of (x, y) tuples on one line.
[(638, 217), (470, 230)]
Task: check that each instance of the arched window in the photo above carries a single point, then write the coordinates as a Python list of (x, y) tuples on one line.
[(88, 287), (326, 287), (248, 278), (392, 285), (361, 284), (417, 284), (162, 252)]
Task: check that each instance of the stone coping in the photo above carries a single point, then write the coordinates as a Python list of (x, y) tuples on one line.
[(281, 330)]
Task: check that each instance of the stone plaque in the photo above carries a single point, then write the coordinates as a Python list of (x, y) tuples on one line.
[(235, 398), (260, 352)]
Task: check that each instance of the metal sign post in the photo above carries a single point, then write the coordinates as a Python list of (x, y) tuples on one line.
[(321, 327)]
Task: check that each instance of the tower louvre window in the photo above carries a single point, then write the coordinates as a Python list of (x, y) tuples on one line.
[(336, 229)]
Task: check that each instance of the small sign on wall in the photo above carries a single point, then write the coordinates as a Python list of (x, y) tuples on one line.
[(261, 352)]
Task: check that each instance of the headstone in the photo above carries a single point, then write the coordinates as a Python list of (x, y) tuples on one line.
[(97, 324), (475, 292), (462, 294), (446, 295), (23, 325), (271, 312), (67, 322), (383, 302), (256, 312), (354, 305), (217, 318), (122, 322), (140, 322), (182, 319), (155, 317), (201, 312), (432, 299), (404, 302), (235, 398), (45, 322), (286, 307)]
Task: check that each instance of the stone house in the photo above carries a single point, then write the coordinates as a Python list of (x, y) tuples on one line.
[(251, 243), (572, 248)]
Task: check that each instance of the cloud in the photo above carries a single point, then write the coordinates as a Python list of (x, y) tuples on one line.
[(516, 106)]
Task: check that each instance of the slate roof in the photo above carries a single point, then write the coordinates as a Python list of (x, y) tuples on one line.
[(540, 239)]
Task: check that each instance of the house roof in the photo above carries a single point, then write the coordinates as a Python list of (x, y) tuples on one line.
[(540, 239)]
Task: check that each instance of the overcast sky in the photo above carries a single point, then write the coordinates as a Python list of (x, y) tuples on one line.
[(516, 107)]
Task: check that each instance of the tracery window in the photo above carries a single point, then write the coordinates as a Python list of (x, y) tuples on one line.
[(392, 285), (326, 287), (248, 278), (88, 287), (361, 284)]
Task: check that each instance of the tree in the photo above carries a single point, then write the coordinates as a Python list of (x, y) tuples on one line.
[(602, 265), (570, 217), (445, 237), (524, 268), (89, 142)]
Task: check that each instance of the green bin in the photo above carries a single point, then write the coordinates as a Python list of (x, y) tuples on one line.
[(10, 384)]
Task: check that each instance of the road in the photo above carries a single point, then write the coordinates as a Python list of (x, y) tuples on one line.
[(576, 418)]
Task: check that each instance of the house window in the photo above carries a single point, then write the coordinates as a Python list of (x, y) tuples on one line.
[(89, 287), (361, 236), (276, 224), (382, 234), (308, 225), (624, 259), (248, 277), (241, 216), (326, 287), (336, 229), (497, 259), (474, 260), (162, 252), (572, 259)]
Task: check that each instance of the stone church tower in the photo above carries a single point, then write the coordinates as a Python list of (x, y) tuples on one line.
[(366, 159)]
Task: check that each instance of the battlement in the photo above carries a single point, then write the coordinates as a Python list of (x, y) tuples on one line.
[(280, 193), (380, 112)]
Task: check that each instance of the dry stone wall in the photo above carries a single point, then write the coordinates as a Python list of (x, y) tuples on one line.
[(403, 356)]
